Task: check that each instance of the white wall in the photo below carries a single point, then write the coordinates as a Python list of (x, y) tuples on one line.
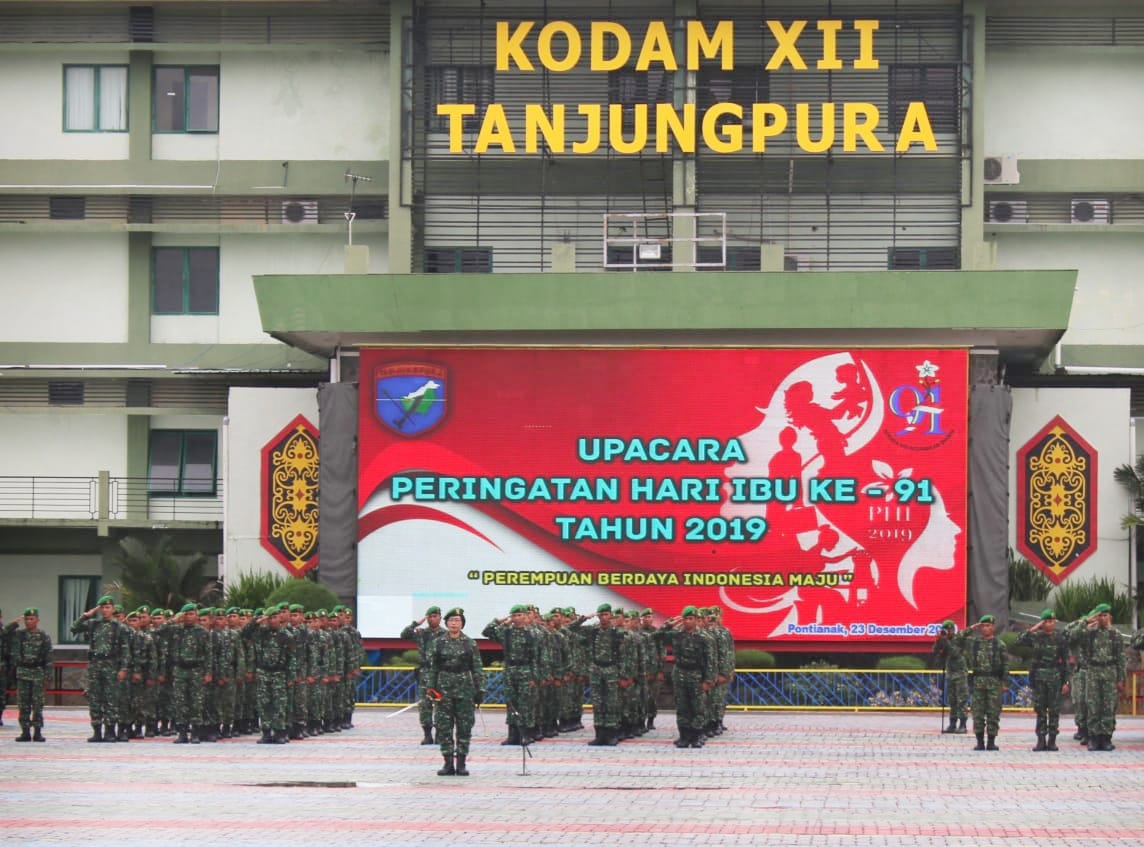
[(1101, 417), (32, 98), (63, 445), (241, 257), (1108, 299), (31, 580), (1060, 104), (290, 106), (254, 417), (71, 286)]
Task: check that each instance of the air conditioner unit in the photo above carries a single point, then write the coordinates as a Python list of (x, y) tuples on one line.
[(1091, 210), (299, 211), (796, 263), (1001, 170), (1008, 212)]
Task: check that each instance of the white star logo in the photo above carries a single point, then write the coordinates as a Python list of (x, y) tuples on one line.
[(926, 370)]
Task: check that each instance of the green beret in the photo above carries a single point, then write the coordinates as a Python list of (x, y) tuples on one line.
[(987, 619), (31, 611), (570, 611), (233, 610), (603, 607), (1048, 615), (631, 613), (189, 607), (646, 612), (703, 610), (339, 608), (433, 610), (519, 607), (119, 608), (715, 610), (206, 610), (455, 611), (556, 611), (282, 607), (143, 610), (690, 611), (297, 607), (1102, 608), (947, 624), (105, 600), (133, 616), (259, 611)]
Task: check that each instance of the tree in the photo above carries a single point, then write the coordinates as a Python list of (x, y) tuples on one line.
[(157, 576)]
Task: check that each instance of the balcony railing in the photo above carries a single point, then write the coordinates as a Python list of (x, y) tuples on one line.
[(102, 498)]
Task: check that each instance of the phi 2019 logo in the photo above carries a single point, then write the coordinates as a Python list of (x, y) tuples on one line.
[(410, 398), (918, 408)]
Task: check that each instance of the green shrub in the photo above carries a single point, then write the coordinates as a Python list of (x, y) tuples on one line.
[(407, 657), (901, 663), (1075, 599), (1026, 581), (1018, 661), (755, 660), (310, 595), (252, 589)]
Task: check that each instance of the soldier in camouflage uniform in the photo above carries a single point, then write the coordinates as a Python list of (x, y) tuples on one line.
[(4, 665), (250, 683), (191, 665), (141, 713), (949, 656), (634, 697), (273, 647), (1048, 675), (693, 674), (109, 659), (657, 655), (317, 672), (725, 668), (1102, 650), (457, 678), (337, 650), (423, 638), (351, 669), (988, 665), (611, 669), (161, 634), (30, 654), (523, 666)]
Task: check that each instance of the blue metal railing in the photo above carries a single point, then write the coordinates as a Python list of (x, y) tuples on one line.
[(750, 689)]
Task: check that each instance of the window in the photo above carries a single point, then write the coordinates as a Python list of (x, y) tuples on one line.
[(738, 258), (65, 393), (185, 281), (924, 258), (181, 462), (741, 86), (95, 98), (627, 87), (67, 208), (186, 99), (935, 85), (459, 84), (458, 260), (620, 259), (77, 595)]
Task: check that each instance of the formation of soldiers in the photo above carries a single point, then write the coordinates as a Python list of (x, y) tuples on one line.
[(1086, 657), (205, 674), (551, 659)]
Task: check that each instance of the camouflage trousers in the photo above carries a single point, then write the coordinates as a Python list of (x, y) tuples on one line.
[(103, 692), (690, 699), (607, 706), (986, 705), (1046, 687), (30, 697), (1100, 700), (519, 696), (272, 699), (1077, 690), (188, 694), (456, 713), (226, 692), (424, 704), (957, 694)]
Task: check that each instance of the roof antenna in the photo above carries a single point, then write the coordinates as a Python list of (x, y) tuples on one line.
[(353, 180)]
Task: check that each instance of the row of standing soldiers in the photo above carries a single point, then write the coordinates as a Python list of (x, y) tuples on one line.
[(205, 674), (549, 661), (1086, 657)]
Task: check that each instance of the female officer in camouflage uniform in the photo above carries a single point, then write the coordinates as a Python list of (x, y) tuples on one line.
[(457, 678)]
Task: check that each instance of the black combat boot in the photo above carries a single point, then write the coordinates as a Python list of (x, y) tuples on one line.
[(651, 722), (961, 730), (37, 735), (152, 729), (1051, 743), (109, 733), (25, 735), (992, 743), (124, 732), (980, 741), (182, 737), (598, 741), (684, 739), (1107, 743), (427, 728), (195, 733), (461, 769), (611, 737), (952, 728), (281, 736), (1040, 743), (265, 739), (1081, 735), (1094, 742), (448, 770)]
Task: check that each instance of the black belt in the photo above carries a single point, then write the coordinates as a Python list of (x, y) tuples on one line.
[(272, 668), (33, 664), (189, 666), (1111, 664), (688, 667)]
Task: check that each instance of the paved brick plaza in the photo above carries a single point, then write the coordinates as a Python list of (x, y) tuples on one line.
[(786, 778)]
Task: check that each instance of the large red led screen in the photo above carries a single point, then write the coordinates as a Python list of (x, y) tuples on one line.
[(814, 495)]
